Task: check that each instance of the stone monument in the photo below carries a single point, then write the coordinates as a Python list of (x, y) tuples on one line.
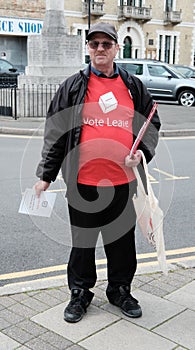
[(52, 57)]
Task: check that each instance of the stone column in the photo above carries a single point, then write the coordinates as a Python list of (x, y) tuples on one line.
[(52, 56), (57, 5), (54, 22), (54, 53)]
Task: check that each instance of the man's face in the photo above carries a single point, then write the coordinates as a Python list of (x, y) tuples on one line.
[(102, 55)]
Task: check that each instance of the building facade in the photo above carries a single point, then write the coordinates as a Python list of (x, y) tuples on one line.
[(146, 28)]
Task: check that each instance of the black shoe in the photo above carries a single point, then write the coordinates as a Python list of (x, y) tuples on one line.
[(131, 308), (77, 307), (128, 304)]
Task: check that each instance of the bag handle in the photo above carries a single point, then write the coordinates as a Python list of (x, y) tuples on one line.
[(139, 179)]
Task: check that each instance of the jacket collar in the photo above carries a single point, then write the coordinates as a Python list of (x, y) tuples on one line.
[(88, 69), (126, 77)]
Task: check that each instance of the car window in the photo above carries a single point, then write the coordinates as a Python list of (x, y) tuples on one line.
[(4, 65), (158, 71), (186, 71), (132, 68), (183, 70)]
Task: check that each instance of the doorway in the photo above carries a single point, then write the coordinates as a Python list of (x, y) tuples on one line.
[(127, 47)]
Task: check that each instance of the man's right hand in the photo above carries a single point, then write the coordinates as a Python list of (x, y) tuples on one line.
[(41, 186)]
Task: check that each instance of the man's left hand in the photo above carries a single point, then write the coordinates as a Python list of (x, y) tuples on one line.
[(134, 160)]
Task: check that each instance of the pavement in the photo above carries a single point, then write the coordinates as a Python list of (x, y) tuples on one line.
[(177, 121), (31, 317), (31, 313)]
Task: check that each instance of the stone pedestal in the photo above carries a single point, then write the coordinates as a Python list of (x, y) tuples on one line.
[(52, 56)]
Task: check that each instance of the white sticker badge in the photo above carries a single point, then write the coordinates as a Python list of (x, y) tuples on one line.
[(108, 102)]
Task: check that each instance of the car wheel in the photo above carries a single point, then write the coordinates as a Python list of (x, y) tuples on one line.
[(186, 98)]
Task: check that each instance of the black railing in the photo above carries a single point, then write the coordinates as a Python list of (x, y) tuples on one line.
[(35, 99), (8, 101), (27, 101), (8, 81)]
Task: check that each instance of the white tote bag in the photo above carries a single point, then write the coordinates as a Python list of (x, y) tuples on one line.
[(150, 216)]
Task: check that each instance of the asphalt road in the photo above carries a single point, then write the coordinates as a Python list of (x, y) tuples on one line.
[(176, 117), (29, 243), (173, 117)]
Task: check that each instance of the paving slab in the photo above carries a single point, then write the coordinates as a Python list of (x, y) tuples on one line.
[(94, 320), (6, 301), (184, 296), (38, 344), (7, 343), (32, 328), (35, 304), (47, 299), (11, 317), (75, 347), (126, 335), (55, 340), (18, 334), (180, 329), (4, 324), (156, 310), (22, 310)]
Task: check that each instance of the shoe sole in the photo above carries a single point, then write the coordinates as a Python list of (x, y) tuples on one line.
[(73, 321), (131, 315)]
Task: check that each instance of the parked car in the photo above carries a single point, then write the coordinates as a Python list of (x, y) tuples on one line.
[(163, 82), (8, 74), (188, 72)]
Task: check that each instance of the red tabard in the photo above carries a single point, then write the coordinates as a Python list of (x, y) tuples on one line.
[(106, 137)]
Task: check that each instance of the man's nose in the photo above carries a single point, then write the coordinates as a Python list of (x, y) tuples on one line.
[(100, 46)]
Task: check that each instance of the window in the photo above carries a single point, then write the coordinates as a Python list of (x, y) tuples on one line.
[(86, 33), (139, 70), (130, 2), (169, 5), (167, 48), (138, 3), (160, 48), (157, 71), (4, 65), (127, 47), (174, 48), (132, 68)]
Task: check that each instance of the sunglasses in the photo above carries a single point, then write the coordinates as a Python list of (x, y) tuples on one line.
[(105, 44)]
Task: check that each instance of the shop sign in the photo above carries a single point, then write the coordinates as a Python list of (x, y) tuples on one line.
[(20, 26)]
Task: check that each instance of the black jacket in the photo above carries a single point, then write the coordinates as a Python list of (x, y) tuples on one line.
[(64, 121)]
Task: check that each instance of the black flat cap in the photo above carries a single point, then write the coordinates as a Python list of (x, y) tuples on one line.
[(103, 27)]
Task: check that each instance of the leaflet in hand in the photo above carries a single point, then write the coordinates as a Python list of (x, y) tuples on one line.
[(40, 206)]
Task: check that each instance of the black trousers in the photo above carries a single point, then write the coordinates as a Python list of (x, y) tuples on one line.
[(108, 210)]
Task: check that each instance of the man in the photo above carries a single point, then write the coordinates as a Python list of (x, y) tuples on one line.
[(90, 128)]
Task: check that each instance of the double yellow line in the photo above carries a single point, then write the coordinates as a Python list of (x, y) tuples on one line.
[(58, 268)]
